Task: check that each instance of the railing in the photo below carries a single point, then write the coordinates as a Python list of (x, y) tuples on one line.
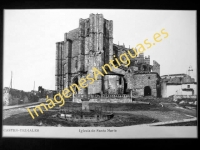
[(102, 96)]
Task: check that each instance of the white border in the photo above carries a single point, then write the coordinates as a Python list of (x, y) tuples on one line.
[(131, 132)]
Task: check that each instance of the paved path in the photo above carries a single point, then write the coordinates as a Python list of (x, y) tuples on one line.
[(22, 105), (167, 122), (176, 113), (162, 116), (180, 109)]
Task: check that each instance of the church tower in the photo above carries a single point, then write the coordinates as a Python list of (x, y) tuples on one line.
[(90, 45)]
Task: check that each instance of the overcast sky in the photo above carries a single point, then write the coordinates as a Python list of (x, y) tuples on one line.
[(30, 37)]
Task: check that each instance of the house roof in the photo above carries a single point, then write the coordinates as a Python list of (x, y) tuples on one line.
[(182, 74)]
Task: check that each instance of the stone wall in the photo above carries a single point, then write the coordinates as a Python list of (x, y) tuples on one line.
[(163, 89), (14, 97), (137, 82), (89, 45), (176, 97), (104, 98), (111, 100), (147, 60), (113, 84), (156, 67), (59, 66)]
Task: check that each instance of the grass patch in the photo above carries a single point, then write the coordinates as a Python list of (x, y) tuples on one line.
[(116, 106), (49, 119), (120, 119)]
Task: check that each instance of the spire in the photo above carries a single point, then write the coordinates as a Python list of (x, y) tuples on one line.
[(190, 69)]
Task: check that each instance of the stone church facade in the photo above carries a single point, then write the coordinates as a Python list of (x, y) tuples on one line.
[(91, 45)]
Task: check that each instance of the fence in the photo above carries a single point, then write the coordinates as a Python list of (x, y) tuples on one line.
[(103, 96)]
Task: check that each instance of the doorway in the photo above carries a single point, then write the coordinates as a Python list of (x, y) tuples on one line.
[(147, 91)]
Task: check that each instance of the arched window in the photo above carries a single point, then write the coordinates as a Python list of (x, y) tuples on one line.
[(144, 67), (76, 63), (88, 31), (120, 81)]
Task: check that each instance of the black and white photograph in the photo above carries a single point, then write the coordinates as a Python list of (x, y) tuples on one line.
[(99, 73)]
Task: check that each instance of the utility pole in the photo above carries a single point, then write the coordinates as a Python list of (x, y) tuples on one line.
[(11, 81), (34, 86)]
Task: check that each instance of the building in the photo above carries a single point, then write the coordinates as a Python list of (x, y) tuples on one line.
[(91, 45), (178, 84), (13, 96), (43, 93)]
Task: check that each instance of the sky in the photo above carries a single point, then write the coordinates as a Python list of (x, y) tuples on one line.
[(30, 36)]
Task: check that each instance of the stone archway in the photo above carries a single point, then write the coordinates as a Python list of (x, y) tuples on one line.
[(147, 91), (144, 67)]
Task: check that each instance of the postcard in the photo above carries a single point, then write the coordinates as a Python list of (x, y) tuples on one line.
[(100, 73)]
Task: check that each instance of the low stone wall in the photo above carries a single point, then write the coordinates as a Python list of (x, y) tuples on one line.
[(176, 97), (104, 98), (111, 100)]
